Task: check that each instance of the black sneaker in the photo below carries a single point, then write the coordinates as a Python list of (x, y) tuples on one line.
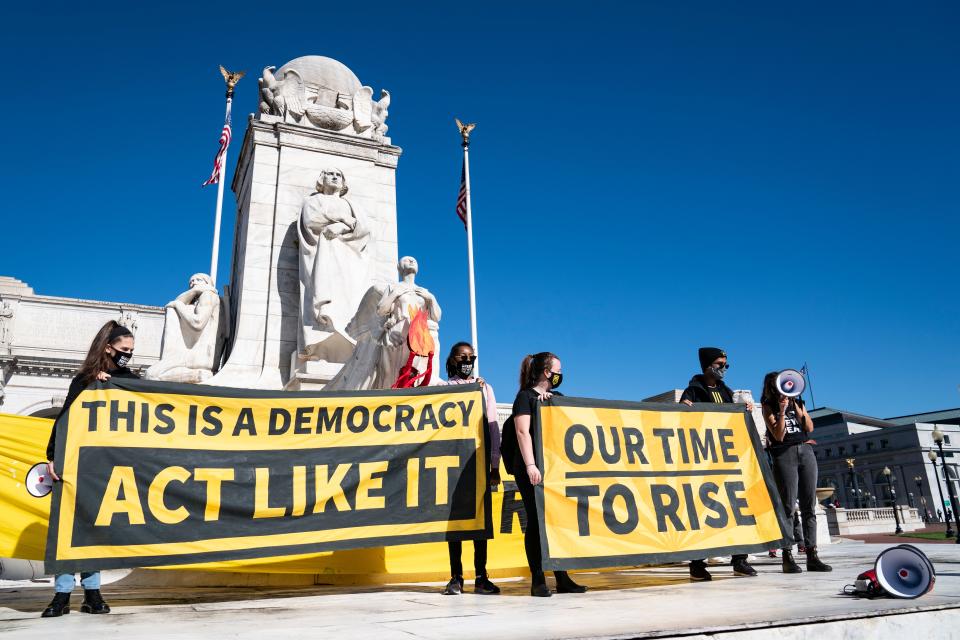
[(483, 586), (93, 602), (454, 587), (743, 568), (60, 605), (540, 590), (698, 571)]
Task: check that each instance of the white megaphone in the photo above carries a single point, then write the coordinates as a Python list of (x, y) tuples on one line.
[(901, 572), (790, 383), (39, 481)]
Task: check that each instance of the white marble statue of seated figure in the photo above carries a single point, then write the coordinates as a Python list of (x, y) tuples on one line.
[(191, 334)]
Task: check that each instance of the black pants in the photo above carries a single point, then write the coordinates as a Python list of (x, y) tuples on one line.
[(531, 537), (479, 557), (795, 472)]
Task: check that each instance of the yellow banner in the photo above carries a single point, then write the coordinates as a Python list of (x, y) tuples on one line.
[(631, 483), (23, 523), (160, 474)]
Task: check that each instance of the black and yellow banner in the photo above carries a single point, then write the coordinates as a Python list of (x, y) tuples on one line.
[(630, 483), (159, 474)]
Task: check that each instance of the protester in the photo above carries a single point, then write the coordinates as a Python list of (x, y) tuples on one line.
[(108, 357), (540, 375), (709, 387), (460, 367), (794, 468)]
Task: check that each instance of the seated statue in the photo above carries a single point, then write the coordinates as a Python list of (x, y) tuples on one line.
[(192, 334), (380, 328)]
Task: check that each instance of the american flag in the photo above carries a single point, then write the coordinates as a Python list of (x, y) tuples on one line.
[(225, 136), (462, 197)]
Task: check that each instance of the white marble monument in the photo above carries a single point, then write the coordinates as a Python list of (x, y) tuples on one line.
[(317, 127)]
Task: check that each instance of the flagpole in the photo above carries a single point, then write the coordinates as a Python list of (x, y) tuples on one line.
[(216, 223), (465, 134), (230, 78), (813, 403)]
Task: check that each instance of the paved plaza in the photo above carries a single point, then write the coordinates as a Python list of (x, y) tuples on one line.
[(641, 603)]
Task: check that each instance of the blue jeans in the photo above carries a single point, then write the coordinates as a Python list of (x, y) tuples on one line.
[(66, 581)]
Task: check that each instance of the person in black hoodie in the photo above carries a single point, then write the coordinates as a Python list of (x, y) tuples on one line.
[(709, 387), (108, 357)]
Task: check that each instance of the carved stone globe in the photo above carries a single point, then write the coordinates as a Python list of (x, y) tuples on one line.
[(330, 86)]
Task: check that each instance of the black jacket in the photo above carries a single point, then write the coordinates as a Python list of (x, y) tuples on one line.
[(76, 386), (697, 391)]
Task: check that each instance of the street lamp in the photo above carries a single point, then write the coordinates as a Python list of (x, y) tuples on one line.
[(933, 460), (938, 439), (923, 502), (856, 485), (893, 497)]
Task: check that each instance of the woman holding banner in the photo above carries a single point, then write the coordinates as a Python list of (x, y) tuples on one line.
[(540, 375), (108, 357), (794, 468), (460, 364)]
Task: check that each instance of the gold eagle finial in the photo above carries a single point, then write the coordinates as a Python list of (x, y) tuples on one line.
[(231, 78), (465, 130)]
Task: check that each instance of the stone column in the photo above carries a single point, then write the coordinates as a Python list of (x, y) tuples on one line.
[(278, 166)]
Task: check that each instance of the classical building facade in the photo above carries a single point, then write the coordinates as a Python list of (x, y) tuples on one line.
[(853, 450), (44, 339)]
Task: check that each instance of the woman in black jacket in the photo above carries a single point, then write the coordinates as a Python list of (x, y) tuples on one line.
[(540, 375), (108, 357)]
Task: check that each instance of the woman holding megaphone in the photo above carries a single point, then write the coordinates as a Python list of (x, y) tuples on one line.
[(794, 464)]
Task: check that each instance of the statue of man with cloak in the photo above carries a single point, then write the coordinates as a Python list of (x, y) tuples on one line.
[(334, 268)]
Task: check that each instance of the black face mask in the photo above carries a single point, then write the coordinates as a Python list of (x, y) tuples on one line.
[(464, 370), (556, 379), (121, 359)]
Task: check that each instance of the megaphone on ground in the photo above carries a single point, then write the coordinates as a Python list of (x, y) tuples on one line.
[(900, 572), (790, 383)]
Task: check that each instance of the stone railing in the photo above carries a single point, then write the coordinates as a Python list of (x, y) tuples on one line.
[(858, 521)]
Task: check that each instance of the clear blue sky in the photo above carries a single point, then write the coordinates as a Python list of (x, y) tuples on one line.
[(781, 181)]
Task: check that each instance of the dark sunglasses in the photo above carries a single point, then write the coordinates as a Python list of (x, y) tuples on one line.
[(465, 358), (724, 366)]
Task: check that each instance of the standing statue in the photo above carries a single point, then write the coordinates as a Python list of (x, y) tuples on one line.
[(334, 268), (6, 322), (192, 334), (380, 329)]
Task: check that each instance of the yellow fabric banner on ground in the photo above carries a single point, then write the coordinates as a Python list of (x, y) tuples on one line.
[(23, 516), (631, 483), (158, 474)]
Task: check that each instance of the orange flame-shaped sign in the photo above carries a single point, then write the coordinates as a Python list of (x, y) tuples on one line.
[(419, 339)]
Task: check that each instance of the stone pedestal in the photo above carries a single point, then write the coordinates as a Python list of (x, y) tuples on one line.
[(278, 166)]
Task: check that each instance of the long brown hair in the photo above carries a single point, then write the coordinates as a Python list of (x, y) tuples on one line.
[(531, 367), (97, 359)]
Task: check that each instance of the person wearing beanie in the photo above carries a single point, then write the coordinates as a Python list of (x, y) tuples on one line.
[(708, 386)]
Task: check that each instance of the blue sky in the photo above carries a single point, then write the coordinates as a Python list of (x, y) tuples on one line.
[(781, 181)]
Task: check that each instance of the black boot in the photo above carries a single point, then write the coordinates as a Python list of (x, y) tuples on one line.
[(483, 586), (814, 563), (59, 606), (789, 564), (698, 571), (454, 587), (565, 583), (93, 602), (539, 587), (742, 568)]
